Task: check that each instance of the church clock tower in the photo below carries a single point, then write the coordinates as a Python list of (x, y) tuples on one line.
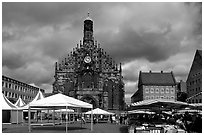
[(89, 74)]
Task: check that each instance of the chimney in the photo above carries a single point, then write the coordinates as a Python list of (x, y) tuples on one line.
[(150, 71), (161, 71)]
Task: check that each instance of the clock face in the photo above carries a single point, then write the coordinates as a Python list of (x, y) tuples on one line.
[(87, 59)]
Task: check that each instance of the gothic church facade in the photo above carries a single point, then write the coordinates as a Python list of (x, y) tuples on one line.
[(89, 74)]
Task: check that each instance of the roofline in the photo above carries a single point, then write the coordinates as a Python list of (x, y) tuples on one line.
[(196, 53)]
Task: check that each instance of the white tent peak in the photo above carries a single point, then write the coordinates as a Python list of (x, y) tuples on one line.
[(38, 96), (60, 100), (99, 111), (6, 104), (19, 102)]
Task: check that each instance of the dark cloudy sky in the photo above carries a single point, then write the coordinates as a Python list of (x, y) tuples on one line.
[(143, 36)]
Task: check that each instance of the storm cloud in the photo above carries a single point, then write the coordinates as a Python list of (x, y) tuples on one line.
[(143, 36)]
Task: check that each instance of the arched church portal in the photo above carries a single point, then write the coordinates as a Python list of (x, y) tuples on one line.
[(90, 99)]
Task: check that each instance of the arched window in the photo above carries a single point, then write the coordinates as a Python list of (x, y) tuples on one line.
[(152, 90), (167, 90), (162, 90), (146, 90)]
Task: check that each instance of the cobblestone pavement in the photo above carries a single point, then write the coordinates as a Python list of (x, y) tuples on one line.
[(72, 128)]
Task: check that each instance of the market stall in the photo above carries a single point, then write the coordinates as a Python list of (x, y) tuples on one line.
[(58, 101), (10, 112), (160, 122), (100, 115)]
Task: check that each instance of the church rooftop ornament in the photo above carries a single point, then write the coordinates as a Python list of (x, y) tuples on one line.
[(88, 17)]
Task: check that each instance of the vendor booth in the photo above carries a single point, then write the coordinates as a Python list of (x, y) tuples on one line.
[(55, 102), (156, 122), (10, 112)]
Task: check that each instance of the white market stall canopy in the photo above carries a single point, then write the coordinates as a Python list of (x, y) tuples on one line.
[(99, 111), (197, 106), (59, 100), (140, 112), (37, 97), (158, 103), (20, 102), (9, 108), (64, 110), (6, 104)]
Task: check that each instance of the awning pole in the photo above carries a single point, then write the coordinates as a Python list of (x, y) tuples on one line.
[(48, 115), (66, 119), (17, 116), (61, 115), (54, 116), (29, 125), (81, 117), (41, 116), (91, 119), (69, 115)]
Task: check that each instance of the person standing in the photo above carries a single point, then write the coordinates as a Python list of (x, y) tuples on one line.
[(111, 120)]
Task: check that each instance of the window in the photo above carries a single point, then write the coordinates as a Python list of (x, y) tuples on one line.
[(162, 90), (172, 97), (152, 97), (6, 85), (2, 84), (6, 93), (167, 90), (162, 97), (156, 97), (146, 90), (172, 90), (147, 97), (152, 90), (157, 90)]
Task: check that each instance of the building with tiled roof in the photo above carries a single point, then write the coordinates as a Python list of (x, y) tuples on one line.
[(155, 85), (194, 80)]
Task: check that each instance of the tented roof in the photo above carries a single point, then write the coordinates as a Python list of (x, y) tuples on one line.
[(6, 104), (99, 111), (64, 110), (160, 103), (60, 100), (140, 112), (20, 102), (37, 97)]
